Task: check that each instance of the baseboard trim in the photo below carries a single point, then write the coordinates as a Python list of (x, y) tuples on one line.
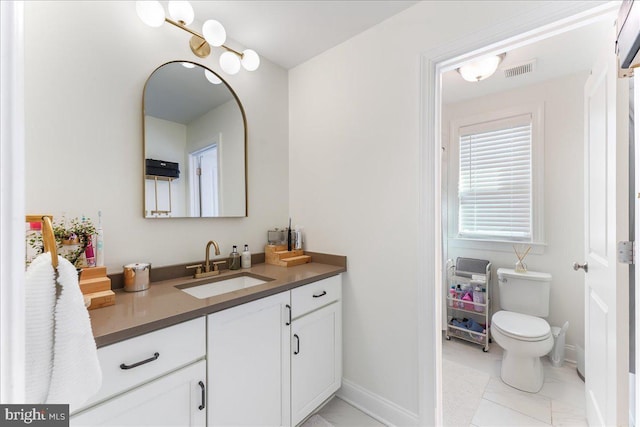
[(570, 354), (375, 406)]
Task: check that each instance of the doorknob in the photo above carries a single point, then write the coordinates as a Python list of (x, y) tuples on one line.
[(584, 266)]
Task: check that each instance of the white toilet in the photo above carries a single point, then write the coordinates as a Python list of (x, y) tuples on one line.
[(519, 328)]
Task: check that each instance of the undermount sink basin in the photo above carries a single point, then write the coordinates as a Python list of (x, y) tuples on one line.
[(222, 285)]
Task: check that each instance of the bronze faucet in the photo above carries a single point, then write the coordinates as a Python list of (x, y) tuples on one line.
[(207, 268)]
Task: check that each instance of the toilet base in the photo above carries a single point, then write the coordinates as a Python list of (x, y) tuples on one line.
[(523, 373)]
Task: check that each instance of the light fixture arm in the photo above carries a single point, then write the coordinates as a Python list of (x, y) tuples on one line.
[(201, 40), (240, 54), (183, 27)]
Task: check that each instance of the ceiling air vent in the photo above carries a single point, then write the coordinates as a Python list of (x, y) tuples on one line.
[(520, 69)]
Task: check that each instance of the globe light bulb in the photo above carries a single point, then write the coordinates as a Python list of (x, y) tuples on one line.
[(181, 11), (230, 63), (150, 12), (214, 33), (213, 79), (250, 60)]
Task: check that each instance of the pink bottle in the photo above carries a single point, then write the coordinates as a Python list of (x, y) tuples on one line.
[(468, 297), (89, 253)]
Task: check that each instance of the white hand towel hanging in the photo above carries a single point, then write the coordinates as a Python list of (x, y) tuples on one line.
[(76, 374), (40, 299)]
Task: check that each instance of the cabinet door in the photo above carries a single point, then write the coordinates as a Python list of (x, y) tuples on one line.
[(173, 400), (249, 365), (316, 359)]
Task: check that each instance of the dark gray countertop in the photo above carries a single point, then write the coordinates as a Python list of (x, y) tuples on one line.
[(162, 305)]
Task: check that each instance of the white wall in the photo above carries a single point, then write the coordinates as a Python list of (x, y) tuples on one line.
[(354, 166), (563, 101), (86, 65)]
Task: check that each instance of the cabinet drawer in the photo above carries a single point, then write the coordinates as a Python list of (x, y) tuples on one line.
[(175, 346), (315, 295)]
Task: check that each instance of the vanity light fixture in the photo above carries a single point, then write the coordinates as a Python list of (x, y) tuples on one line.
[(480, 69), (213, 34)]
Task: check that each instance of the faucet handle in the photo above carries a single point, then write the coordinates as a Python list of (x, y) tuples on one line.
[(198, 268), (216, 264)]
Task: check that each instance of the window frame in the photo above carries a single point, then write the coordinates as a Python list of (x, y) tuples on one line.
[(536, 110)]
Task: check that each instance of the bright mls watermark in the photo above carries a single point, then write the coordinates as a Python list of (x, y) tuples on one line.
[(34, 415)]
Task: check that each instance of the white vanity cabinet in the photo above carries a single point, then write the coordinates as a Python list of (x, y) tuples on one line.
[(158, 378), (248, 355), (177, 399), (316, 345), (275, 360)]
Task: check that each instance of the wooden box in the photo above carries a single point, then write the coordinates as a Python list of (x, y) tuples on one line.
[(96, 287), (279, 255)]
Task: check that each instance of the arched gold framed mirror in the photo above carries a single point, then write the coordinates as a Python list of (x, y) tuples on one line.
[(195, 144)]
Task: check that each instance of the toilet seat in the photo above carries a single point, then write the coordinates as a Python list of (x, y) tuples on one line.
[(521, 327)]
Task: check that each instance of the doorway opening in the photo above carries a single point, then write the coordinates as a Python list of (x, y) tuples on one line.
[(435, 68), (204, 182)]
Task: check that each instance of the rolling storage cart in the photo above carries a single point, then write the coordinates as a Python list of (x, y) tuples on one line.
[(468, 300)]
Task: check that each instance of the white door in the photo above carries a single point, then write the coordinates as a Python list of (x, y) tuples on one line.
[(249, 364), (606, 223), (316, 367), (204, 182), (176, 399), (209, 181)]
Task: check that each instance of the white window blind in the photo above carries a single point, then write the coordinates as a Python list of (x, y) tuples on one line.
[(495, 181)]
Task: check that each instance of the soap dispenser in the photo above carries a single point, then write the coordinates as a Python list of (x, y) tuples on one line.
[(234, 259), (246, 257)]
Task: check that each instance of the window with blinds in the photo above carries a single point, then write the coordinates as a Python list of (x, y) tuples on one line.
[(495, 180)]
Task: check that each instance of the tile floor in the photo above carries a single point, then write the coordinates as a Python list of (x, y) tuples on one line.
[(475, 396), (340, 414)]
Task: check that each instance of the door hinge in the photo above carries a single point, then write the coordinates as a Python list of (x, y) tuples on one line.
[(626, 253)]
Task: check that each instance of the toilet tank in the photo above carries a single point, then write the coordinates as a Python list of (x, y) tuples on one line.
[(526, 293)]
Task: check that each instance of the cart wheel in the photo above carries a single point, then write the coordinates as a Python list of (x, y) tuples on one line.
[(485, 349), (448, 338), (490, 340)]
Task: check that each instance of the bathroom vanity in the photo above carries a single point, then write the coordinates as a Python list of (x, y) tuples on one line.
[(269, 354)]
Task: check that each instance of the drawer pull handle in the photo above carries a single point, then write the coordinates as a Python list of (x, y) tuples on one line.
[(321, 294), (201, 384), (289, 308), (298, 343), (135, 365)]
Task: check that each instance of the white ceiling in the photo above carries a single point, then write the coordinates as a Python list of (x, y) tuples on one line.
[(563, 54), (289, 32)]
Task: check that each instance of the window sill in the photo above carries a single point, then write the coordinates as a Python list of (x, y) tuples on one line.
[(537, 248)]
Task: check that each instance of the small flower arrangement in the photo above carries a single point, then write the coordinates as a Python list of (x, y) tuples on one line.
[(75, 234)]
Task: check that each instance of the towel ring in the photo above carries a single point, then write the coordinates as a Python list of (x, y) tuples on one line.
[(48, 237)]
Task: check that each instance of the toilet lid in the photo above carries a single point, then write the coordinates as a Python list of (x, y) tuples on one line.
[(521, 326)]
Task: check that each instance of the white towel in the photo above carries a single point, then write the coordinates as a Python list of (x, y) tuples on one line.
[(40, 299), (76, 374)]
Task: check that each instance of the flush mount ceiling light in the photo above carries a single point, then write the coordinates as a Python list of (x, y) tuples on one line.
[(480, 69), (213, 34)]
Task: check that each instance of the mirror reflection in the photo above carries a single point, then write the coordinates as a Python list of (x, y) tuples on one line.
[(194, 144)]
